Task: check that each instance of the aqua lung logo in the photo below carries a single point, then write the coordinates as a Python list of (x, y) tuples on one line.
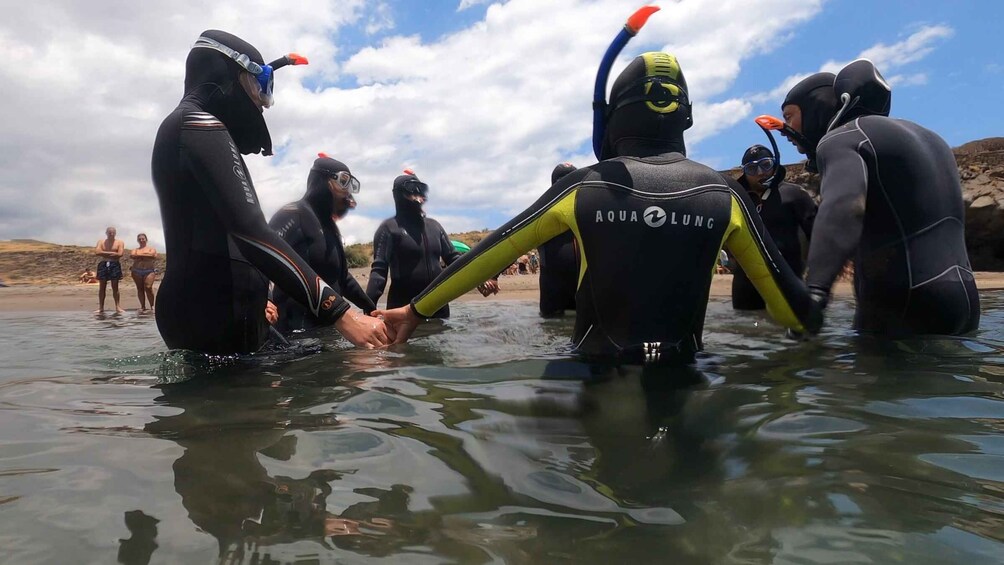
[(655, 217), (239, 173)]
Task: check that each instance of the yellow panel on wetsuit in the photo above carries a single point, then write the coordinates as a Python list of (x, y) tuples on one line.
[(745, 245), (544, 221)]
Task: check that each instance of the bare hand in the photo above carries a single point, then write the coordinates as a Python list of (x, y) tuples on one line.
[(364, 331), (402, 321), (489, 287), (271, 312)]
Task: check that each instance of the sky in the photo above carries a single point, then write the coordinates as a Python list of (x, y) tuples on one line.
[(481, 99)]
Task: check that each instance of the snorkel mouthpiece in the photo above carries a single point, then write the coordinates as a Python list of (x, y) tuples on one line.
[(630, 29)]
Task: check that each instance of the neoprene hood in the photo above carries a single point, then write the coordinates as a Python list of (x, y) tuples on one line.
[(212, 78), (862, 91), (561, 170), (319, 193), (649, 105), (814, 96)]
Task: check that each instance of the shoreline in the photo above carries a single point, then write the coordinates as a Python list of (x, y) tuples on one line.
[(83, 297)]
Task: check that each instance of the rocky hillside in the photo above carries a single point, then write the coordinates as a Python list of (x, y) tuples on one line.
[(981, 167)]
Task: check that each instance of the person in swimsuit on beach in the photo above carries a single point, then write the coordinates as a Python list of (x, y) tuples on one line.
[(111, 251), (144, 272)]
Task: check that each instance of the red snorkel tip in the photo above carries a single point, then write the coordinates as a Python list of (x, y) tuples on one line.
[(297, 59), (323, 155), (409, 172), (769, 122), (638, 19)]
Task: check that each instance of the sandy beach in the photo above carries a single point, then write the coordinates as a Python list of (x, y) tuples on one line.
[(84, 297)]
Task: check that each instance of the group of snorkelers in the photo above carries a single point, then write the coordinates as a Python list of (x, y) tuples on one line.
[(631, 242)]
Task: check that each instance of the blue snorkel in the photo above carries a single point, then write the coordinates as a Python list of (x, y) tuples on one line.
[(634, 23)]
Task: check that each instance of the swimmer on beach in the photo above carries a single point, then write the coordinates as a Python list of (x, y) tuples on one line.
[(221, 253), (649, 223), (110, 250), (891, 200), (144, 271)]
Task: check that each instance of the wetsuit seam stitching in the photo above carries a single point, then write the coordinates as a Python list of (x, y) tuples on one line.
[(899, 223), (941, 274)]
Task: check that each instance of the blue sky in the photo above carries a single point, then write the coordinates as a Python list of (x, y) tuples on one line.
[(482, 101)]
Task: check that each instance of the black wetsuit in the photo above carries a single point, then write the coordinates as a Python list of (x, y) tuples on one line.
[(320, 243), (650, 229), (892, 199), (559, 274), (220, 251), (410, 247), (784, 213)]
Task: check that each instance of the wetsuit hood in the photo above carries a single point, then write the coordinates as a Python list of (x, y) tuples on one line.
[(862, 91), (649, 108), (212, 80), (814, 96), (406, 208), (561, 170), (319, 194)]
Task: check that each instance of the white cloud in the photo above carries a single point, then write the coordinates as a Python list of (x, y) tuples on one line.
[(465, 4), (886, 58), (482, 113)]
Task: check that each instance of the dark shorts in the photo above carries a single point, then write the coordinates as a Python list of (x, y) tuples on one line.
[(109, 271)]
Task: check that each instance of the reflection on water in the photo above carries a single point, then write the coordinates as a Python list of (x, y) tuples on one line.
[(485, 441)]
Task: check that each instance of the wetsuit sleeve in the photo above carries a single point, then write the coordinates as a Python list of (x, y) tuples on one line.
[(214, 161), (447, 251), (355, 293), (841, 215), (551, 215), (746, 240), (383, 255)]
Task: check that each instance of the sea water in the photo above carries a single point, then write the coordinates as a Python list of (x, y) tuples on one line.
[(485, 441)]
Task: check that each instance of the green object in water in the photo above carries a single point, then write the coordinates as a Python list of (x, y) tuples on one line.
[(460, 246)]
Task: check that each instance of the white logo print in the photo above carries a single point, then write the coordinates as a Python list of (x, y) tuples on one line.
[(654, 216)]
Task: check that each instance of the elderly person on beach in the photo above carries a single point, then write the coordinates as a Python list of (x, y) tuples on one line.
[(110, 250), (144, 272)]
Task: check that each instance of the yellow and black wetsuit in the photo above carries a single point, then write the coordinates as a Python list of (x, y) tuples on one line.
[(650, 230)]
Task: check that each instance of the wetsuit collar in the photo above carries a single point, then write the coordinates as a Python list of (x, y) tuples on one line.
[(648, 147)]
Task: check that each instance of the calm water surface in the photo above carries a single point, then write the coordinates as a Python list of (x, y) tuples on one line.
[(483, 441)]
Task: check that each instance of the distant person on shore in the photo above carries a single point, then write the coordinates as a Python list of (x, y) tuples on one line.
[(144, 272), (891, 199), (410, 247), (785, 210), (308, 226), (88, 277), (110, 250), (221, 253)]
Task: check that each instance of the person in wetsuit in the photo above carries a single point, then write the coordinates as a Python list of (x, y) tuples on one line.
[(649, 224), (308, 226), (220, 251), (559, 265), (891, 199), (410, 247), (789, 210)]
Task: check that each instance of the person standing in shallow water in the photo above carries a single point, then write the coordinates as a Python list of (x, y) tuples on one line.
[(649, 223), (221, 253), (308, 226), (144, 271), (891, 199), (111, 251), (410, 247), (787, 211)]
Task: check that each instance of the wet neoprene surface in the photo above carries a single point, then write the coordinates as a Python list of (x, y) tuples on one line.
[(784, 213), (650, 230), (892, 201), (221, 252), (320, 243)]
